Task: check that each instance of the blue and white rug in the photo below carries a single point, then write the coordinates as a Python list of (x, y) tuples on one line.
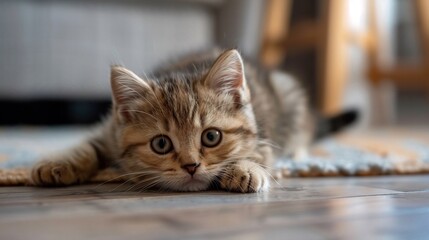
[(381, 153)]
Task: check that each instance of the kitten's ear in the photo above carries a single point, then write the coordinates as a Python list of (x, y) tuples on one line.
[(227, 76), (126, 87)]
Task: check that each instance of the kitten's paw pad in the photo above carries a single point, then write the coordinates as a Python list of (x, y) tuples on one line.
[(50, 173), (245, 179)]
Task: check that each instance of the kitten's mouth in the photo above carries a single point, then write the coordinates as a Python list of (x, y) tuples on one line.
[(194, 179), (194, 184)]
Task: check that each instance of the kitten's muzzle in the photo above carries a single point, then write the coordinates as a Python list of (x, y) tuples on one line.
[(191, 168)]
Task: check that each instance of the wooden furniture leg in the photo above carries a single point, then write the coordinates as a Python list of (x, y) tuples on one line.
[(422, 14), (275, 31), (332, 57)]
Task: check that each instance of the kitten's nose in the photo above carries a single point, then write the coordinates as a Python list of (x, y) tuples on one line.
[(191, 168)]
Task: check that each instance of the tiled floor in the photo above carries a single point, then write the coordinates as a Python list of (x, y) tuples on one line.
[(394, 207)]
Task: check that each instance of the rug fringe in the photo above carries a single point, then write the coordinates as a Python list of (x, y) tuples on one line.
[(21, 177)]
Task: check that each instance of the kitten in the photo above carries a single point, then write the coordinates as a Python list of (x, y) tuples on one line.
[(207, 120)]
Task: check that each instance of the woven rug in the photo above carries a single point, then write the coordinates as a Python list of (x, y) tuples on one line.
[(381, 152)]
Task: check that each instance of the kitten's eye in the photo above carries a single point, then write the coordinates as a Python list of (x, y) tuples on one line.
[(161, 144), (211, 137)]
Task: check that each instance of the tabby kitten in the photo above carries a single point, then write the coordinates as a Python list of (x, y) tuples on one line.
[(207, 120)]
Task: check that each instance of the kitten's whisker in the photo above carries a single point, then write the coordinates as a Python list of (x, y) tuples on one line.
[(266, 166), (143, 182), (272, 177), (154, 183), (118, 177), (268, 142), (145, 187), (130, 179)]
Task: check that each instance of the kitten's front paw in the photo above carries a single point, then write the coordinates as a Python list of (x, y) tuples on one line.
[(54, 173), (246, 177)]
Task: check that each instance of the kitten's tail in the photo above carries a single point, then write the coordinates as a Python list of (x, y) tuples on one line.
[(332, 125)]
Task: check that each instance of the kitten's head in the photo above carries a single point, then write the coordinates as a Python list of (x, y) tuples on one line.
[(179, 130)]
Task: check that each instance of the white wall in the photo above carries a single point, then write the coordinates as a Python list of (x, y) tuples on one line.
[(64, 48)]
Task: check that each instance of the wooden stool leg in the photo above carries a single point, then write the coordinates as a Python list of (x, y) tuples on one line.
[(332, 60), (275, 31), (382, 94), (422, 14)]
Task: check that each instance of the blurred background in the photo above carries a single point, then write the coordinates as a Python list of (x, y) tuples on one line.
[(368, 55)]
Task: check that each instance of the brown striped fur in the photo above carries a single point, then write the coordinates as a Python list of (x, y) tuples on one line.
[(260, 115)]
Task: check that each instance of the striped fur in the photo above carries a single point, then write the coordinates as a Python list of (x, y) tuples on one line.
[(260, 115)]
